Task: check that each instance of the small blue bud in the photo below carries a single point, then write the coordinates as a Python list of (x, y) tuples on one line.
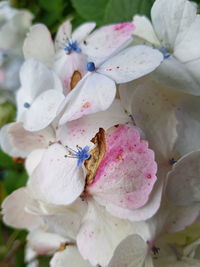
[(90, 66), (27, 105)]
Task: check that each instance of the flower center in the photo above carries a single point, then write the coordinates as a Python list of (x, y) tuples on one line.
[(81, 154), (165, 52), (90, 66), (72, 46), (172, 161)]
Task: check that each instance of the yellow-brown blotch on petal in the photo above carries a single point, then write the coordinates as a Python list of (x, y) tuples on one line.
[(76, 77)]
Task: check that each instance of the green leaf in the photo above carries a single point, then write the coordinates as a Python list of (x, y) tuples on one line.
[(111, 11), (91, 10), (14, 180), (123, 10), (52, 5), (6, 161)]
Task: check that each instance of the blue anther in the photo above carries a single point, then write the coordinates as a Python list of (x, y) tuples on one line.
[(90, 66), (27, 105), (81, 154), (166, 56), (165, 52), (72, 46)]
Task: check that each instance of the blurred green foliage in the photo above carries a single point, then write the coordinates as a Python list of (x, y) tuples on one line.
[(52, 13), (7, 112)]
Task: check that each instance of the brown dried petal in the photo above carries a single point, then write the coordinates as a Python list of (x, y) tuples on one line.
[(18, 160), (97, 154)]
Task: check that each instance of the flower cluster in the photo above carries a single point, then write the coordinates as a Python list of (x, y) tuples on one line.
[(14, 25), (108, 126)]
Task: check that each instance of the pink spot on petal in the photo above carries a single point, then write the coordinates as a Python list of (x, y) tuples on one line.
[(148, 176), (123, 26)]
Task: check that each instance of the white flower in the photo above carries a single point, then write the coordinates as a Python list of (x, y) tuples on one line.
[(175, 31), (69, 54), (168, 118), (97, 89), (14, 25), (71, 177), (39, 96), (93, 91), (156, 243)]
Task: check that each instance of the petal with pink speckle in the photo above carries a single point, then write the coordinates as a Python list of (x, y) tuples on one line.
[(127, 173), (107, 40)]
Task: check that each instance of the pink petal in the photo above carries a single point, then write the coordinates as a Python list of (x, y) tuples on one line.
[(127, 172)]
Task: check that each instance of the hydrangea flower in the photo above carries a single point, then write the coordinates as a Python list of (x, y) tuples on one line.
[(14, 25), (175, 31), (91, 94), (38, 102)]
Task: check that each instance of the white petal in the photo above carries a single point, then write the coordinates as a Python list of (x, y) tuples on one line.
[(130, 252), (66, 64), (39, 45), (188, 126), (169, 219), (181, 76), (64, 33), (57, 179), (14, 213), (144, 29), (171, 19), (183, 186), (32, 71), (64, 220), (187, 48), (93, 93), (99, 227), (18, 142), (107, 40), (152, 105), (141, 61), (83, 31), (82, 130), (69, 257), (13, 30), (43, 110), (44, 242), (30, 257), (33, 160)]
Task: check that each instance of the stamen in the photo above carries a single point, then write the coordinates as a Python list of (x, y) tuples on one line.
[(90, 66), (72, 46), (27, 105), (81, 154), (172, 161), (155, 250)]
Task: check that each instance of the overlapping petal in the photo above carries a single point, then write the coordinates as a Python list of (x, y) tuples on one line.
[(61, 182)]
